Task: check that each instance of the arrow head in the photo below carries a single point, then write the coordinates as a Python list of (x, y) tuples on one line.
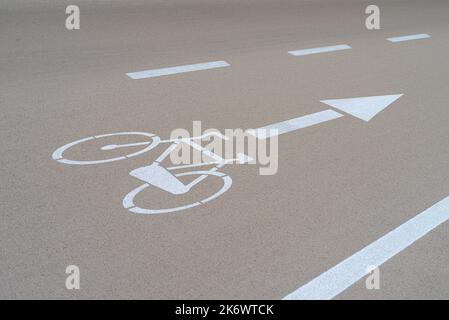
[(364, 108)]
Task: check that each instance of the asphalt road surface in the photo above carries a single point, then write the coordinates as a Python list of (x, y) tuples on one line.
[(345, 188)]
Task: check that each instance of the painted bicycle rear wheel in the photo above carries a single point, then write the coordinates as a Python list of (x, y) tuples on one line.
[(152, 142)]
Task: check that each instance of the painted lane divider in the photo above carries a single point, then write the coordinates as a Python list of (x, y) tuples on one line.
[(178, 69), (364, 108), (346, 273), (305, 52), (409, 37)]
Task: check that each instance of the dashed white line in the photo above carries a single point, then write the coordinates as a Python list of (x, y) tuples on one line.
[(409, 37), (346, 273), (305, 52), (178, 69)]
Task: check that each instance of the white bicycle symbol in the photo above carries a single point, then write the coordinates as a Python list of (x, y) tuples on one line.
[(156, 174)]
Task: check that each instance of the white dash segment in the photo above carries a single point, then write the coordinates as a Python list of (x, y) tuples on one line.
[(179, 69), (346, 273), (409, 37), (294, 124), (305, 52)]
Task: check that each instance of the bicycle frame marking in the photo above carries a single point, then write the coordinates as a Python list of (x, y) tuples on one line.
[(144, 172)]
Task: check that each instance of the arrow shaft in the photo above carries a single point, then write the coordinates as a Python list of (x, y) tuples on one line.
[(309, 120)]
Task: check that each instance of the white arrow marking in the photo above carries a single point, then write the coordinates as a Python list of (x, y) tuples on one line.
[(364, 108)]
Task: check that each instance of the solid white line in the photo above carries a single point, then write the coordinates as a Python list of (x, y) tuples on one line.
[(305, 52), (409, 37), (179, 69), (294, 124), (346, 273)]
